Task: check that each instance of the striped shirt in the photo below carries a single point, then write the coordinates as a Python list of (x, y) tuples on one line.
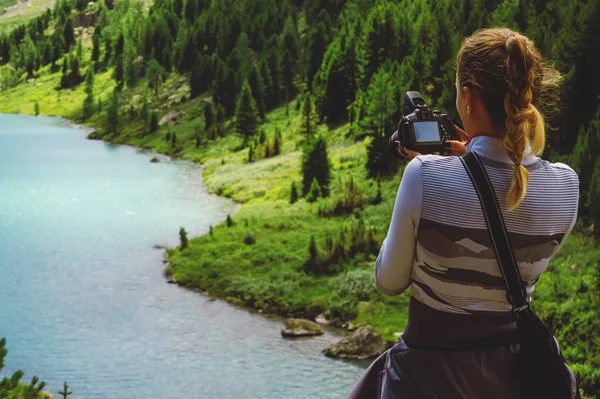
[(439, 246)]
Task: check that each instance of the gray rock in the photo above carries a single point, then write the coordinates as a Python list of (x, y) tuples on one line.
[(159, 246), (300, 328), (364, 343), (321, 319), (171, 118), (154, 160)]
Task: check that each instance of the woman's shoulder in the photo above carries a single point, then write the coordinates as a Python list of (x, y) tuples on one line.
[(561, 169)]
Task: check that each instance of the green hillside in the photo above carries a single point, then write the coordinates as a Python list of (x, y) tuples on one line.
[(288, 106)]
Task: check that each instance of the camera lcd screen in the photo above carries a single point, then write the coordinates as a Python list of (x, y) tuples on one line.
[(426, 132)]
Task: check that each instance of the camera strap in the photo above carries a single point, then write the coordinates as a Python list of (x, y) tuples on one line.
[(516, 294)]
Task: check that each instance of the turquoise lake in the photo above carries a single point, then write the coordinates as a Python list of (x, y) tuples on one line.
[(82, 294)]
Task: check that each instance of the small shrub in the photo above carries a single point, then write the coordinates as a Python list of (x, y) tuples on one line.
[(183, 240), (36, 108), (341, 310), (249, 239), (229, 221), (358, 284)]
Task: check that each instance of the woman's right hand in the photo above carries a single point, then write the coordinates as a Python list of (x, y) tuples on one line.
[(457, 147)]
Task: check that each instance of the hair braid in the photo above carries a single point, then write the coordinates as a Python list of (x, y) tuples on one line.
[(524, 123)]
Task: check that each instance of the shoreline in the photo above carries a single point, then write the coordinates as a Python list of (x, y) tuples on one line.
[(234, 301)]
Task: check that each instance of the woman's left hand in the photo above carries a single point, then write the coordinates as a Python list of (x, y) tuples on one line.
[(408, 154)]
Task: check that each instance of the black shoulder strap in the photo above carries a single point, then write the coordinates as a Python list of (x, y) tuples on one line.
[(517, 296)]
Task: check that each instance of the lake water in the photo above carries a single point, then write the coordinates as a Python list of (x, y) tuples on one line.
[(82, 295)]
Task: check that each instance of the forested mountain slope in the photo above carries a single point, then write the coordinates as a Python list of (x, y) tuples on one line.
[(289, 105)]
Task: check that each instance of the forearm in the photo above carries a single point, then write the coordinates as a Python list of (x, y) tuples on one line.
[(394, 264)]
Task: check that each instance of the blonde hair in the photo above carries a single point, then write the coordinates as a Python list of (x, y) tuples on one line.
[(506, 69)]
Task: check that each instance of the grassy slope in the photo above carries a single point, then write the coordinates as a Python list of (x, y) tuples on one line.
[(266, 274), (23, 13)]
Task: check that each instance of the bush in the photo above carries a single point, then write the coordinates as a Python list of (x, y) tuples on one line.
[(341, 310), (352, 200), (229, 221), (183, 240), (357, 284), (249, 239)]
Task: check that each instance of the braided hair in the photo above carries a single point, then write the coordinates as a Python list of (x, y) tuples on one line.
[(508, 72)]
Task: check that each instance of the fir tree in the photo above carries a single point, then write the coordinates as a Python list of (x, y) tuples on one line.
[(112, 114), (88, 103), (36, 108), (309, 120), (277, 143), (293, 193), (315, 165), (183, 240), (65, 393), (379, 121), (154, 123), (69, 33), (95, 49), (246, 113), (315, 191), (155, 76), (258, 90), (144, 112), (229, 221)]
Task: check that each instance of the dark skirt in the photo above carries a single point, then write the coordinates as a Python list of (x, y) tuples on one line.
[(409, 373)]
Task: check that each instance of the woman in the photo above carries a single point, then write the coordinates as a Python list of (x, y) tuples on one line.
[(461, 338)]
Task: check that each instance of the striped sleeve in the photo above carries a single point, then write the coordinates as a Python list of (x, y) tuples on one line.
[(394, 263)]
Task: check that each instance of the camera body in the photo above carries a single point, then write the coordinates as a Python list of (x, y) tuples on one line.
[(423, 130)]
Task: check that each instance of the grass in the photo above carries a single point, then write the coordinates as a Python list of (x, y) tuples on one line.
[(258, 260), (23, 15)]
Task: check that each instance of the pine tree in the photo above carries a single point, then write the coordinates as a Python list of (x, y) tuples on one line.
[(246, 113), (312, 263), (251, 153), (174, 142), (258, 90), (316, 45), (229, 221), (88, 103), (155, 76), (95, 49), (154, 123), (119, 73), (315, 165), (315, 191), (309, 122), (65, 393), (379, 122), (277, 143), (144, 112), (36, 108), (112, 114), (293, 193), (183, 240), (209, 116), (69, 33)]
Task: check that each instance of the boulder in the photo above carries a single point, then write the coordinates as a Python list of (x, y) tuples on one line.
[(154, 160), (171, 118), (321, 319), (364, 343), (300, 328)]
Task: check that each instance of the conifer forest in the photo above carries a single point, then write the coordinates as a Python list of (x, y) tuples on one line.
[(288, 105)]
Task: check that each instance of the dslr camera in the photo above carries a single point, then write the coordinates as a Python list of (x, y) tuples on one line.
[(423, 130)]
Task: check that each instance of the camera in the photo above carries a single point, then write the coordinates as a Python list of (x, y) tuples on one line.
[(423, 130)]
